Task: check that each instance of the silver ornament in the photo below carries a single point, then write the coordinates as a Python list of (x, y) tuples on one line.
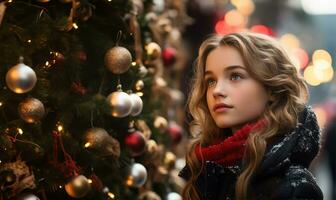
[(174, 196), (143, 71), (118, 60), (78, 187), (120, 103), (28, 197), (21, 78), (99, 139), (31, 110), (136, 104), (137, 176)]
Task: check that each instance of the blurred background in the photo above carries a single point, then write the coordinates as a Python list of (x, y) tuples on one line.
[(307, 29)]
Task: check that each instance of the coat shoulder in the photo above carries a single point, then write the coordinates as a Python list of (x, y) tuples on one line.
[(298, 183)]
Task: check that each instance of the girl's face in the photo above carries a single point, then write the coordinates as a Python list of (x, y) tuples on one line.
[(234, 98)]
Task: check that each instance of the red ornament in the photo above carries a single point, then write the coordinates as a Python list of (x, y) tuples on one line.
[(175, 132), (136, 142), (169, 56)]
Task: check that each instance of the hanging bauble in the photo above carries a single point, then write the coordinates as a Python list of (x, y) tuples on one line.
[(21, 78), (137, 175), (175, 132), (153, 50), (139, 85), (120, 104), (99, 140), (31, 110), (160, 123), (169, 160), (136, 104), (28, 197), (152, 146), (136, 143), (169, 56), (118, 60), (174, 196), (78, 187)]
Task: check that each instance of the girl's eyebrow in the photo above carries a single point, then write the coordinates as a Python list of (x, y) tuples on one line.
[(231, 67)]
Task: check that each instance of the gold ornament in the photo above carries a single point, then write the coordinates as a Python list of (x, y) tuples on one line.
[(78, 187), (153, 50), (139, 85), (169, 160), (152, 146), (100, 140), (143, 127), (160, 123), (43, 1), (118, 60), (21, 78), (31, 110), (120, 104)]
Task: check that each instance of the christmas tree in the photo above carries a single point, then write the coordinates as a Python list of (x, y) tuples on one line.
[(89, 99)]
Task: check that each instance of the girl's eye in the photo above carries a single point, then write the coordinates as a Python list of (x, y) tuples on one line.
[(210, 82), (236, 76)]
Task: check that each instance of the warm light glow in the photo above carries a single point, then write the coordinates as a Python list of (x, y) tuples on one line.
[(129, 181), (111, 195), (324, 74), (1, 104), (59, 128), (310, 77), (20, 131), (89, 181), (290, 41), (9, 1), (75, 25), (259, 28), (60, 186), (245, 7), (88, 144), (234, 18), (133, 63), (321, 55), (29, 41)]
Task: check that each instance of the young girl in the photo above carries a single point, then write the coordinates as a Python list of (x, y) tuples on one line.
[(255, 134)]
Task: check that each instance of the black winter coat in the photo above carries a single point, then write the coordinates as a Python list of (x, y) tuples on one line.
[(282, 174)]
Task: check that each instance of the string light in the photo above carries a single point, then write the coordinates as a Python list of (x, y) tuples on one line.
[(29, 41), (88, 144), (75, 25), (89, 181), (59, 127), (111, 195), (133, 63), (20, 131), (1, 103)]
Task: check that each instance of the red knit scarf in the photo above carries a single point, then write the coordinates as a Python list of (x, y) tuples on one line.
[(228, 151)]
